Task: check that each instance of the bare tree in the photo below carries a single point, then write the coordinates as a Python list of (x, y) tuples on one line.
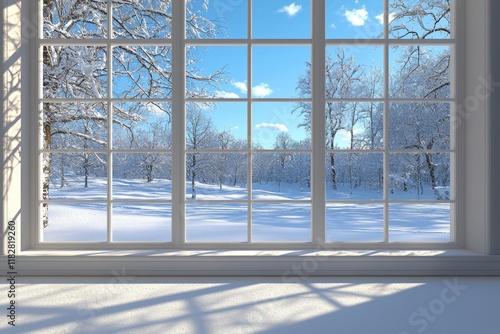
[(199, 135), (343, 79)]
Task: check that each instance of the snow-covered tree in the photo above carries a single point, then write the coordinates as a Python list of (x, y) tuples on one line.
[(82, 71), (343, 80), (199, 136)]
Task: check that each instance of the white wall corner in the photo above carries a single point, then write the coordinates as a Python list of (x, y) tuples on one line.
[(474, 112)]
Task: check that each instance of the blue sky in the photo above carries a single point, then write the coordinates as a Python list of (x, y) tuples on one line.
[(276, 70)]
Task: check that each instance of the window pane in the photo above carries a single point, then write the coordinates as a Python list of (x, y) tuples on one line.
[(142, 176), (145, 19), (216, 222), (82, 126), (281, 176), (144, 126), (85, 222), (281, 222), (419, 126), (281, 125), (354, 72), (419, 176), (281, 71), (75, 19), (216, 72), (354, 176), (281, 19), (74, 72), (142, 222), (354, 223), (358, 19), (419, 19), (142, 71), (221, 126), (216, 19), (419, 222), (354, 125), (75, 176), (420, 72), (216, 176)]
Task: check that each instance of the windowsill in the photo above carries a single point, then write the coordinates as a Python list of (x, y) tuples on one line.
[(250, 253), (291, 265)]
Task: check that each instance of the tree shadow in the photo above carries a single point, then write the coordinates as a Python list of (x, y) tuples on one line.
[(10, 126)]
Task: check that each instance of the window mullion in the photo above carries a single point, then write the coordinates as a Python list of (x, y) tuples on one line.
[(249, 124), (386, 122), (109, 107), (178, 123), (318, 122)]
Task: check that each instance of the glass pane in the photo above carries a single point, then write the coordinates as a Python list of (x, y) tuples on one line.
[(354, 223), (354, 72), (423, 176), (216, 222), (281, 125), (82, 126), (74, 176), (74, 72), (281, 19), (216, 72), (354, 126), (408, 224), (216, 19), (281, 222), (145, 19), (419, 19), (142, 222), (281, 176), (358, 19), (420, 72), (85, 222), (224, 123), (142, 176), (144, 126), (216, 176), (354, 176), (281, 72), (419, 126), (75, 19), (142, 71), (216, 126)]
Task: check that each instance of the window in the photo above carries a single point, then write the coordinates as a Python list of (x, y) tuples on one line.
[(22, 179), (238, 157)]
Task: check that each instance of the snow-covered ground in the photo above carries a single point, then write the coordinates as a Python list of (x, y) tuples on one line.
[(227, 222)]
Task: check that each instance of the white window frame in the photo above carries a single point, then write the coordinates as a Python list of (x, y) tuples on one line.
[(473, 241)]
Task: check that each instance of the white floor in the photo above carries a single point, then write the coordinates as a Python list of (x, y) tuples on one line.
[(122, 304)]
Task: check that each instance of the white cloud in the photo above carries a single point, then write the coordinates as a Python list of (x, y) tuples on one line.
[(242, 86), (234, 128), (226, 95), (291, 10), (262, 90), (272, 126), (380, 18), (333, 26), (357, 17)]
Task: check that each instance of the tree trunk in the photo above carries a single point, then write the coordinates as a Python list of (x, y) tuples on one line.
[(86, 170), (46, 162), (193, 176), (149, 172), (333, 171)]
